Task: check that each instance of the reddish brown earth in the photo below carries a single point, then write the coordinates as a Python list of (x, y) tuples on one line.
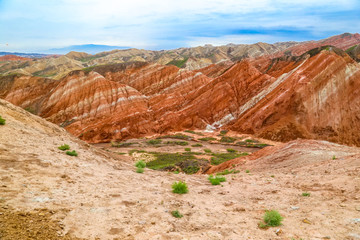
[(13, 58), (314, 96)]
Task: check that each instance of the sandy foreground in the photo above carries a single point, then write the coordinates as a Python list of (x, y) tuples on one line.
[(98, 195)]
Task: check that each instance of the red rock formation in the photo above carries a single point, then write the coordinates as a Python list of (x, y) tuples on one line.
[(13, 58)]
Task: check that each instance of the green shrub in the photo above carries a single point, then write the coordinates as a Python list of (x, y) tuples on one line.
[(190, 131), (178, 136), (64, 147), (140, 170), (176, 214), (206, 139), (207, 150), (188, 149), (72, 153), (334, 157), (2, 121), (140, 164), (154, 141), (228, 139), (179, 187), (216, 180), (273, 218), (247, 171), (249, 140), (305, 194), (230, 150), (197, 145)]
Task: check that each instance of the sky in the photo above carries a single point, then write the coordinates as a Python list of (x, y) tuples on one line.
[(39, 25)]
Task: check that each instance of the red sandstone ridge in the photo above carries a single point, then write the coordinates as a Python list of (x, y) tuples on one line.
[(13, 58), (313, 96)]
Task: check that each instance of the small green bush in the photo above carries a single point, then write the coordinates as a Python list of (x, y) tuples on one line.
[(64, 147), (176, 214), (230, 150), (207, 150), (2, 121), (305, 194), (140, 164), (140, 170), (154, 141), (216, 180), (273, 218), (190, 131), (223, 132), (72, 153), (188, 149), (334, 157), (247, 171), (179, 187), (197, 145)]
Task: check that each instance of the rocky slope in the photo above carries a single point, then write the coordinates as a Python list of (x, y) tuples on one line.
[(52, 195)]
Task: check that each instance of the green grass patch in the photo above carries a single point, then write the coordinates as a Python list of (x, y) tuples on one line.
[(187, 149), (305, 194), (164, 160), (72, 153), (219, 158), (197, 145), (206, 139), (120, 145), (176, 214), (154, 141), (230, 150), (206, 150), (226, 172), (178, 63), (180, 143), (216, 180), (64, 147), (136, 151), (227, 139), (180, 187), (177, 136)]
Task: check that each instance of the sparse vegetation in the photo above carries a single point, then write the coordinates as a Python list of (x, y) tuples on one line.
[(223, 132), (197, 145), (187, 149), (181, 143), (136, 151), (216, 180), (154, 141), (140, 164), (226, 172), (206, 139), (177, 136), (180, 187), (64, 147), (140, 170), (207, 150), (166, 160), (2, 121), (273, 218), (120, 145), (179, 63), (219, 158), (334, 157), (176, 214), (227, 139), (72, 153), (230, 150), (305, 194), (193, 132), (247, 171)]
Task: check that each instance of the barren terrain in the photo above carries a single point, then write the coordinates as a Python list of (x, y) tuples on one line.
[(98, 194)]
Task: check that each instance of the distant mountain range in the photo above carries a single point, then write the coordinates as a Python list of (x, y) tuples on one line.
[(88, 48), (27, 55)]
